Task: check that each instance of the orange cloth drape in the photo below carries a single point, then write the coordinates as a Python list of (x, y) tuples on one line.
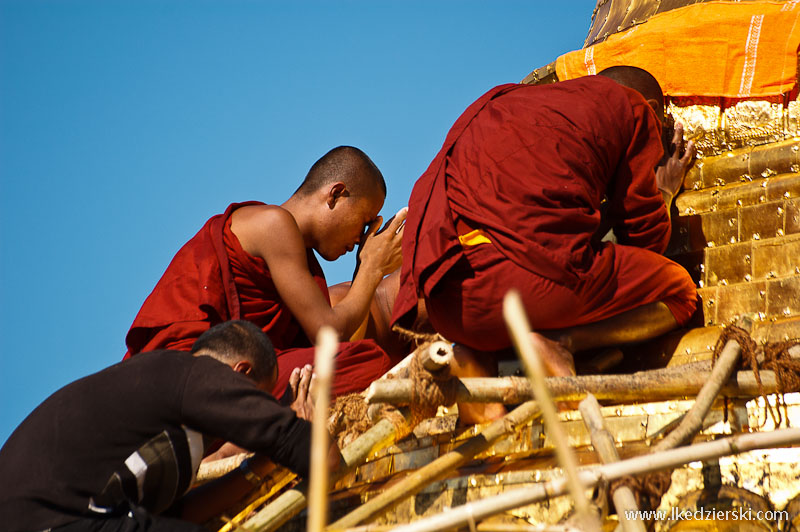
[(735, 50)]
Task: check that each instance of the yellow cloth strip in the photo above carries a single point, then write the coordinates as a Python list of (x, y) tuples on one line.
[(720, 49), (473, 238)]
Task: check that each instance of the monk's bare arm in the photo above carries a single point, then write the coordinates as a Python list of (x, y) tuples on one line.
[(271, 233), (670, 175)]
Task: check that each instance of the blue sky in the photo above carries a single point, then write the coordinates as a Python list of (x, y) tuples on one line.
[(124, 125)]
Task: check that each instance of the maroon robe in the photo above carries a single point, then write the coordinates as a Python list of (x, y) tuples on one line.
[(514, 199), (211, 280)]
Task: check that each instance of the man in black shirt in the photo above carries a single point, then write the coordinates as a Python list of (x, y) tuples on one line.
[(113, 450)]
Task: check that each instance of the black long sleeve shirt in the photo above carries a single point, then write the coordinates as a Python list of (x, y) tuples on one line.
[(136, 432)]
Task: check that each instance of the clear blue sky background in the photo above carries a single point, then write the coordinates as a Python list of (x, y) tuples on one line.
[(124, 125)]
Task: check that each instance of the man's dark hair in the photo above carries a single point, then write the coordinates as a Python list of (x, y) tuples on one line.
[(639, 80), (236, 340), (346, 164)]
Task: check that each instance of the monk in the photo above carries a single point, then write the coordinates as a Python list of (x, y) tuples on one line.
[(256, 262), (528, 181)]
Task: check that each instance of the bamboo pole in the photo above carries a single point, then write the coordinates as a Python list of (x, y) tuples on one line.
[(218, 468), (603, 443), (519, 329), (437, 356), (327, 343), (440, 467), (589, 477), (643, 386), (692, 422)]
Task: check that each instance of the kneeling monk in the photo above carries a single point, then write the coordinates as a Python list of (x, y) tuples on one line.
[(527, 182), (256, 262)]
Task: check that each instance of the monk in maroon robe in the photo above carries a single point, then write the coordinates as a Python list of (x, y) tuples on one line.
[(528, 181), (256, 262)]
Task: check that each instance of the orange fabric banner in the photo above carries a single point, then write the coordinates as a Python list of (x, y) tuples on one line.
[(730, 49)]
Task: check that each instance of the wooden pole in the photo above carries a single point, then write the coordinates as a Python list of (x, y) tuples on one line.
[(437, 356), (603, 443), (519, 329), (218, 468), (511, 499), (440, 467), (692, 422), (327, 344), (640, 387)]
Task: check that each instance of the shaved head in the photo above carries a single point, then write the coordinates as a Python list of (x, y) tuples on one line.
[(347, 164), (639, 80)]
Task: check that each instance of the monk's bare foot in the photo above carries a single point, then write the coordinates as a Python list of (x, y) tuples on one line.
[(471, 363), (556, 359)]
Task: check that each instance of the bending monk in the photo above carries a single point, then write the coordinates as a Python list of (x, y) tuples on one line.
[(255, 262), (516, 198)]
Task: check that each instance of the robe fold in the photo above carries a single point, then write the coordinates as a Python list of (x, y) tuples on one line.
[(212, 279), (515, 198)]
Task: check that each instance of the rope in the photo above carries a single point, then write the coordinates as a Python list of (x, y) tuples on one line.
[(770, 356), (349, 414), (418, 337), (429, 390), (647, 489)]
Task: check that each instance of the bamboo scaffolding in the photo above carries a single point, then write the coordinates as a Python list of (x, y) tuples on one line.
[(320, 444), (643, 386), (293, 501), (440, 467), (589, 477), (519, 329), (603, 443)]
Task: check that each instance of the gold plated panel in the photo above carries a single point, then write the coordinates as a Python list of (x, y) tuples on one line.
[(707, 298), (639, 11), (742, 194), (778, 331), (721, 228), (761, 221), (728, 265), (734, 301), (778, 257), (783, 186), (792, 222), (783, 297)]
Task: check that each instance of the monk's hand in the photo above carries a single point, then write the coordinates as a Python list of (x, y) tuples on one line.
[(300, 382), (381, 250), (670, 175)]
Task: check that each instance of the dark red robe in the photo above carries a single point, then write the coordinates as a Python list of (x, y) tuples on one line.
[(522, 179), (211, 280)]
